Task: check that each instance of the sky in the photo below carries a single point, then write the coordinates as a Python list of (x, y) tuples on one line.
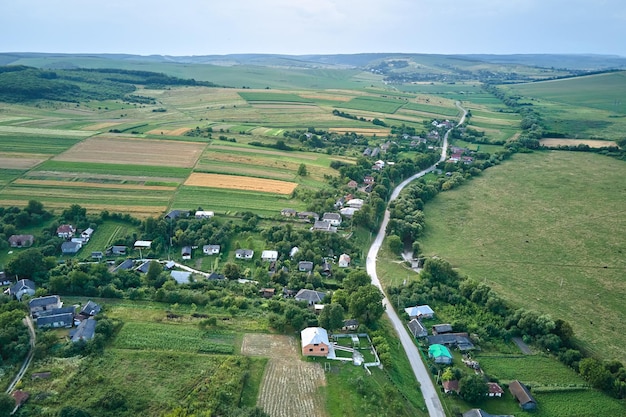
[(301, 27)]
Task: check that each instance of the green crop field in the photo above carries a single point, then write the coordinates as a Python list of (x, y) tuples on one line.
[(535, 231), (534, 370), (27, 143), (233, 201), (115, 169), (436, 110), (373, 104), (173, 337)]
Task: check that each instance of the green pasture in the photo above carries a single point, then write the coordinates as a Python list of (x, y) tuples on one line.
[(36, 144), (6, 129), (534, 370), (536, 231), (373, 104), (8, 175), (234, 201), (105, 234)]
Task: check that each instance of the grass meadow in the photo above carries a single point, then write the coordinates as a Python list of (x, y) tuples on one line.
[(535, 231)]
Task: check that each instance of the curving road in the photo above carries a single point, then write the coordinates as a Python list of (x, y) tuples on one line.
[(433, 403)]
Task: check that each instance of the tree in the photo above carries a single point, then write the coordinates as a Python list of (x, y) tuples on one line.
[(331, 317), (473, 388), (395, 244), (302, 171), (354, 280), (7, 404), (596, 373), (73, 412), (366, 303), (30, 263)]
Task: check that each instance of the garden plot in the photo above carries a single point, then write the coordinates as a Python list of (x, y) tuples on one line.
[(290, 385)]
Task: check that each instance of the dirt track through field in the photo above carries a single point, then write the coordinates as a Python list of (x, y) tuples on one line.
[(290, 386)]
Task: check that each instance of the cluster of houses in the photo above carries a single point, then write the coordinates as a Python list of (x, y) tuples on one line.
[(49, 312), (458, 154), (73, 241), (442, 339)]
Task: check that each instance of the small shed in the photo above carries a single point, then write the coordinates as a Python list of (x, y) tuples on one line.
[(442, 328), (344, 260), (522, 395), (269, 255)]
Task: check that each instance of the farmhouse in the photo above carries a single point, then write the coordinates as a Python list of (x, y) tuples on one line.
[(352, 184), (68, 248), (344, 260), (314, 341), (348, 211), (143, 268), (417, 329), (86, 234), (333, 218), (174, 214), (269, 255), (440, 354), (21, 288), (355, 203), (310, 296), (56, 320), (124, 266), (244, 253), (522, 395), (21, 241), (211, 249), (65, 231), (420, 312), (185, 252), (450, 386)]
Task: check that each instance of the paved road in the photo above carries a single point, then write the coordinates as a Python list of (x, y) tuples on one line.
[(429, 391)]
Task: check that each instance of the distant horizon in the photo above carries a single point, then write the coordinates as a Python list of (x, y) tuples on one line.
[(321, 54), (319, 27)]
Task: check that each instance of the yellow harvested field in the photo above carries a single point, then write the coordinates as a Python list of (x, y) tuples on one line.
[(122, 150), (331, 97), (56, 183), (575, 142), (236, 182), (172, 132), (99, 126), (19, 163), (286, 377)]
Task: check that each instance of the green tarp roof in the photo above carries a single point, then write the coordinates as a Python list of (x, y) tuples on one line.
[(439, 350)]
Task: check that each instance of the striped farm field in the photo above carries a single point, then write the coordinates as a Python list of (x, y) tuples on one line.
[(169, 132), (252, 96), (120, 150), (236, 182), (290, 386), (81, 184), (374, 104), (365, 131), (135, 170), (100, 126), (436, 110), (44, 132), (47, 145)]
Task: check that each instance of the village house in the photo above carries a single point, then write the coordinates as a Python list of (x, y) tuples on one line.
[(417, 329), (344, 260), (314, 342), (211, 249), (244, 253), (21, 288), (97, 255), (333, 218), (60, 317), (43, 304), (174, 214), (267, 292), (440, 354), (85, 331), (185, 252), (348, 211), (495, 390), (142, 244), (145, 266), (125, 265), (323, 226), (90, 309), (21, 241), (65, 231), (420, 312), (86, 234), (352, 184), (459, 340), (288, 212), (68, 248), (442, 328), (305, 266), (269, 255), (451, 386), (116, 250), (310, 296), (350, 325), (308, 215), (368, 180)]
